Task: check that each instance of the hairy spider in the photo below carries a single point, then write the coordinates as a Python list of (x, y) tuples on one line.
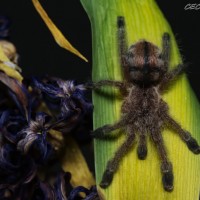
[(143, 111)]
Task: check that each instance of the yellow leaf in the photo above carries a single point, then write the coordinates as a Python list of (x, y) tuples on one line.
[(6, 68), (58, 36), (136, 179), (74, 162)]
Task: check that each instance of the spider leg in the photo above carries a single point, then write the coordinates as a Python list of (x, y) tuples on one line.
[(166, 166), (166, 49), (191, 143), (99, 84), (142, 147), (176, 71), (172, 75), (122, 39), (113, 163), (104, 131)]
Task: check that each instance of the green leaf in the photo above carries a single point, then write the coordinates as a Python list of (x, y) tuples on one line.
[(138, 179)]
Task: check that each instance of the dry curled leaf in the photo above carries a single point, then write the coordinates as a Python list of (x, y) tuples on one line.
[(58, 36), (10, 71), (18, 92)]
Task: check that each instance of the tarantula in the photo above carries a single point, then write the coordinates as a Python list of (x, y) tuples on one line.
[(143, 111)]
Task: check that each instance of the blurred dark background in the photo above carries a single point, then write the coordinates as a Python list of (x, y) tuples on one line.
[(39, 54)]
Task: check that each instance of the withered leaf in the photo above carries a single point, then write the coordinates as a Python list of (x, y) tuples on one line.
[(18, 93), (6, 68), (58, 36)]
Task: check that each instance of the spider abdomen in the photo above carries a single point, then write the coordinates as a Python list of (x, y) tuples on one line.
[(141, 103)]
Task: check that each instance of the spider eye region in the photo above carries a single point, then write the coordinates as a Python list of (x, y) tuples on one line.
[(146, 69)]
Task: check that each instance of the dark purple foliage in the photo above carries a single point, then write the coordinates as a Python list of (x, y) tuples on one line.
[(54, 188), (66, 100), (11, 122), (29, 164), (24, 145), (16, 170), (90, 194), (32, 138)]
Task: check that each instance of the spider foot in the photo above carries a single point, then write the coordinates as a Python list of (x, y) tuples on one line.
[(89, 85), (99, 132), (93, 134), (193, 145), (120, 21), (107, 178), (142, 152), (96, 134), (168, 177), (166, 36)]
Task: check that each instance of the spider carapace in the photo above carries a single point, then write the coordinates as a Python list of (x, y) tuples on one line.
[(143, 114)]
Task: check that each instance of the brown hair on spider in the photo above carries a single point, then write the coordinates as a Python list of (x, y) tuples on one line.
[(144, 64)]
